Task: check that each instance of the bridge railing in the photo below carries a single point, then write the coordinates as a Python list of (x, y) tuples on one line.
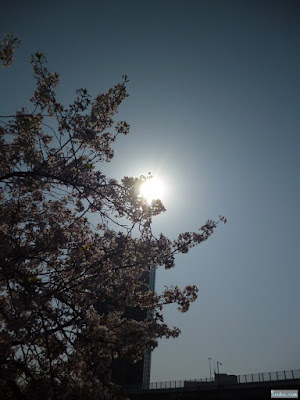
[(269, 376), (176, 384), (247, 378)]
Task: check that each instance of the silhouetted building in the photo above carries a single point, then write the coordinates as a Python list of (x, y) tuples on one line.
[(138, 374), (125, 373), (220, 379)]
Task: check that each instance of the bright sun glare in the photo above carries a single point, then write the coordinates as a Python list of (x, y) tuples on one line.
[(152, 189)]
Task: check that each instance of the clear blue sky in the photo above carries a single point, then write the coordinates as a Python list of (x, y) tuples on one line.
[(214, 110)]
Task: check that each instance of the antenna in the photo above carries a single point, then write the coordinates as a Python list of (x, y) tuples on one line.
[(218, 363), (209, 368)]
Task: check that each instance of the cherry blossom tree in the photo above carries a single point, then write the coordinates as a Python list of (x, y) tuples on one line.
[(56, 266)]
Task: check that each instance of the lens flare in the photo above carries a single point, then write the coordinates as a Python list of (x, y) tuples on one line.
[(152, 189)]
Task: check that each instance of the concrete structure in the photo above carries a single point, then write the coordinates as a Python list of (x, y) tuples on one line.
[(128, 374), (224, 379), (239, 391), (220, 379)]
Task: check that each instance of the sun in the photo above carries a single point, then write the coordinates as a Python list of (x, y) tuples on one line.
[(152, 189)]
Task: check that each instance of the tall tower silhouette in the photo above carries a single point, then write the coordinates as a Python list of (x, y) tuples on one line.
[(124, 372)]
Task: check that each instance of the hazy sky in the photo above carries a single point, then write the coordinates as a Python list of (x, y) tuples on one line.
[(214, 111)]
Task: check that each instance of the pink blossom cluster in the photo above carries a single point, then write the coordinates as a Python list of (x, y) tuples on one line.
[(66, 284)]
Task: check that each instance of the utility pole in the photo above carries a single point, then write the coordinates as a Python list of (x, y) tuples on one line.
[(209, 368), (218, 363)]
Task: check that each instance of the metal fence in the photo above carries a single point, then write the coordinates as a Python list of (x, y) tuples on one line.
[(247, 378), (176, 384), (269, 376)]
